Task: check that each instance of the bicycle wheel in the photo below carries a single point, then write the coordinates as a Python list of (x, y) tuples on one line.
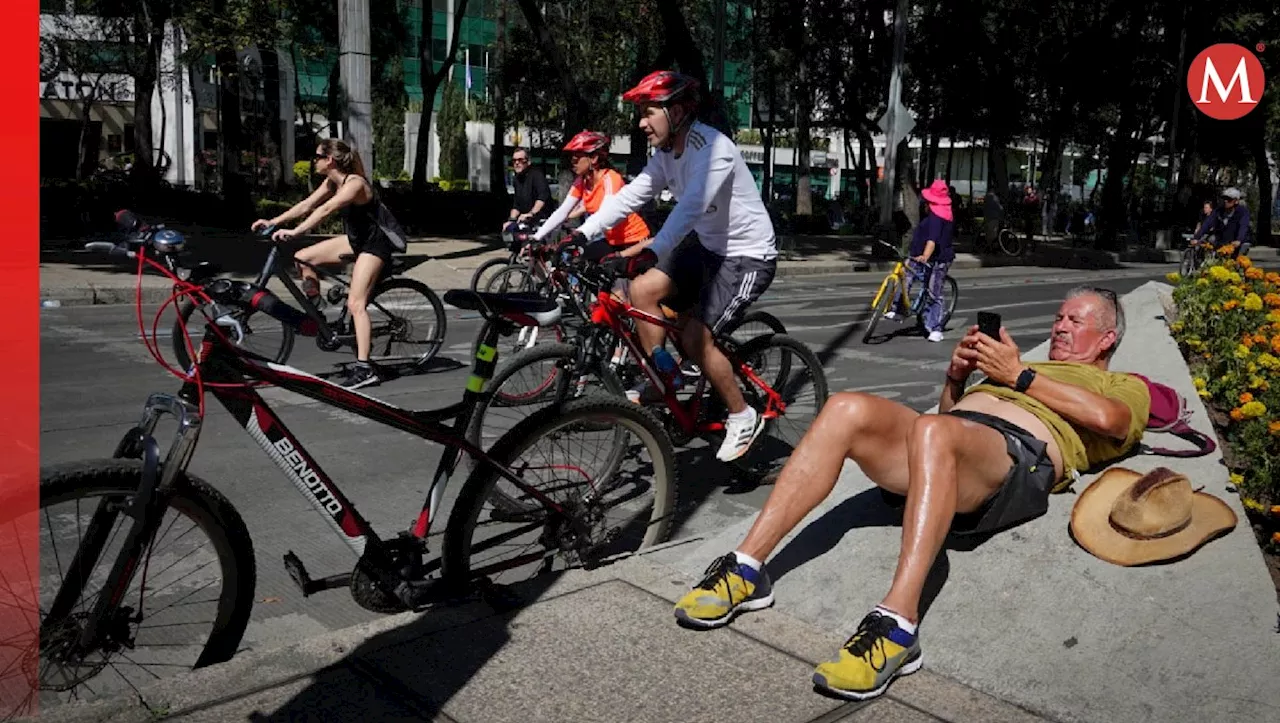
[(480, 278), (752, 324), (514, 278), (1010, 242), (187, 614), (1188, 266), (950, 294), (264, 335), (408, 322), (795, 374), (532, 379), (881, 304), (644, 491)]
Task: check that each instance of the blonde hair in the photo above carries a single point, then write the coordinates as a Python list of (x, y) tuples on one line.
[(346, 158)]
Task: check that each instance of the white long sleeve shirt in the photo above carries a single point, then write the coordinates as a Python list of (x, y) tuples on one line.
[(716, 196)]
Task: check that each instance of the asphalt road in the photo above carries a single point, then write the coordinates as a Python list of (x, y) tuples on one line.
[(96, 375)]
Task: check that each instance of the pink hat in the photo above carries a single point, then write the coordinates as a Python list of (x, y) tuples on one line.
[(937, 193)]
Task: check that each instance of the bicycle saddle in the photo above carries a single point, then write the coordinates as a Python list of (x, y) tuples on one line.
[(525, 308)]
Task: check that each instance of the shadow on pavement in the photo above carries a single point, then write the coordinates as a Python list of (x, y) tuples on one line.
[(413, 671)]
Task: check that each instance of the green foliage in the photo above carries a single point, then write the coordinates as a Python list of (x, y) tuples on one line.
[(453, 133), (301, 173)]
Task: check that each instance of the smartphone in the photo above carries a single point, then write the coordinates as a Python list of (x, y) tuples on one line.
[(989, 324)]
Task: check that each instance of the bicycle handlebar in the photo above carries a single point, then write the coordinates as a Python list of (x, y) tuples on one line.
[(245, 294)]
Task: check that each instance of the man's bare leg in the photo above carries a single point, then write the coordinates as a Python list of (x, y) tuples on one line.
[(954, 465), (647, 291), (868, 429), (698, 342)]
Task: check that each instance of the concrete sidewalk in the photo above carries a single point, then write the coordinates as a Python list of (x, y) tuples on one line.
[(72, 277), (1024, 626)]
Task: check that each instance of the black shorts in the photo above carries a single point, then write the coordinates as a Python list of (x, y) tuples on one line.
[(379, 245), (1024, 494), (718, 289)]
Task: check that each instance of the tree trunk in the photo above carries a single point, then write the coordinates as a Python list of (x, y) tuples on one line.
[(1051, 186), (679, 40), (951, 153), (639, 141), (998, 171), (931, 168), (804, 144), (766, 175), (430, 84), (1262, 168), (498, 153), (144, 83), (867, 183), (88, 158), (235, 191), (275, 134), (1118, 153)]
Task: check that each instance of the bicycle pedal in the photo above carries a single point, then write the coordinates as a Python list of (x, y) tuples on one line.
[(293, 565)]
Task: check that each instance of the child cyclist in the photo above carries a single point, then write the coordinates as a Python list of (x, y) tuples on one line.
[(713, 277)]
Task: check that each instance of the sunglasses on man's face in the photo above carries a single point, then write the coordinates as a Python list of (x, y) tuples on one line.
[(520, 160)]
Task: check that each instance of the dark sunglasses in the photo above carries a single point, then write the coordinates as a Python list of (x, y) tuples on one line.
[(320, 156), (519, 160)]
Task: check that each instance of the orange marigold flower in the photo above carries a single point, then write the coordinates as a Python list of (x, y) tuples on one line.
[(1271, 299), (1275, 510), (1237, 415), (1275, 539), (1230, 304), (1274, 427), (1246, 397), (1275, 343), (1253, 272), (1273, 277), (1245, 261)]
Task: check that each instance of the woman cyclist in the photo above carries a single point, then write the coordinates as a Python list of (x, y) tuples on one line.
[(347, 191), (594, 181)]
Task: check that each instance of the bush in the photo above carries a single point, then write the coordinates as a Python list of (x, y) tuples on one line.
[(301, 172), (1228, 326)]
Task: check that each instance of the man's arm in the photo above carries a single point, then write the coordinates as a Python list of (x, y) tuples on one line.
[(708, 174), (626, 201), (1095, 412)]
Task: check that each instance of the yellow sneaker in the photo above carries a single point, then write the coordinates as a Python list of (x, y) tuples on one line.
[(876, 654), (728, 587)]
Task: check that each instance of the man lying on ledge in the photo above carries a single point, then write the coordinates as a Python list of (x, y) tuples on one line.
[(987, 460)]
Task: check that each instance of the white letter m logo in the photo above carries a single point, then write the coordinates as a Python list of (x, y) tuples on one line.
[(1240, 74)]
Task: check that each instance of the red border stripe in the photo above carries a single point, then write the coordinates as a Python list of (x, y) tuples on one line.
[(20, 359)]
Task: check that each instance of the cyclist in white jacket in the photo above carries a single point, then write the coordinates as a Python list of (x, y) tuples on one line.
[(717, 274)]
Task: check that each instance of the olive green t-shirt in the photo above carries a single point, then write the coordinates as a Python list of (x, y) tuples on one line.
[(1082, 448)]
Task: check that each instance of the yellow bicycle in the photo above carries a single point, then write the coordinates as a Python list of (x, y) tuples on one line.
[(896, 287)]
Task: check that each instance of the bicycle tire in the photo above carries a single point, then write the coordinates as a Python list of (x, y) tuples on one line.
[(805, 355), (755, 316), (880, 305), (482, 268), (528, 284), (456, 565), (551, 392), (1010, 240), (1188, 266), (207, 507), (189, 307), (431, 346)]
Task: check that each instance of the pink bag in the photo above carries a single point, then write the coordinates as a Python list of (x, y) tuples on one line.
[(1169, 413)]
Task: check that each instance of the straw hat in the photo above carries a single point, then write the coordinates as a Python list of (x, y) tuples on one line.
[(1129, 518)]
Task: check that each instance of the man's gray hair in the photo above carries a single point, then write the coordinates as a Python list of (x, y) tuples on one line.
[(1112, 313)]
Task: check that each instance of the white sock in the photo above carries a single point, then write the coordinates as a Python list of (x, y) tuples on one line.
[(744, 415), (903, 623), (748, 560)]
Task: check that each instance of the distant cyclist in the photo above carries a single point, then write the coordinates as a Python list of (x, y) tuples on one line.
[(714, 277), (931, 244), (371, 234), (594, 182), (1229, 223)]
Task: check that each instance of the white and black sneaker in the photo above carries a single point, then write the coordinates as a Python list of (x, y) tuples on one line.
[(739, 434), (361, 374)]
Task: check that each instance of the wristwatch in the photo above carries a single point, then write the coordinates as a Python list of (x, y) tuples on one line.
[(1024, 380)]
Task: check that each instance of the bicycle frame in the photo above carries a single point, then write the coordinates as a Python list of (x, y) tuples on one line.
[(609, 312), (223, 370)]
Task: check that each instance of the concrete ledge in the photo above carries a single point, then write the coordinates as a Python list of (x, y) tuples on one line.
[(1030, 617)]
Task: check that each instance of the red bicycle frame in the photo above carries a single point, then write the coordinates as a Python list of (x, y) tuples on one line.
[(610, 311)]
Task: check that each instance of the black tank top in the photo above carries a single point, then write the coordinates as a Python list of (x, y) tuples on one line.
[(359, 222)]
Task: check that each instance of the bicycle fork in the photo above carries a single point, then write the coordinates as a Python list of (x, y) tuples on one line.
[(145, 509)]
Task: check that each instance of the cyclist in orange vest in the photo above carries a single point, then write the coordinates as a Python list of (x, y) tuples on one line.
[(594, 181)]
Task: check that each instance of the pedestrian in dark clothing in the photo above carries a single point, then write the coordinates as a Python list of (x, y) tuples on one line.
[(532, 194), (931, 254)]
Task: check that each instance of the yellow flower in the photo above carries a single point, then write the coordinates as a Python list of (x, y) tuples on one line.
[(1237, 480), (1252, 367), (1253, 410), (1253, 302), (1258, 383), (1204, 393), (1199, 382), (1176, 327), (1236, 291), (1273, 317), (1215, 308), (1234, 277), (1242, 352), (1173, 277), (1266, 361), (1217, 273), (1202, 281)]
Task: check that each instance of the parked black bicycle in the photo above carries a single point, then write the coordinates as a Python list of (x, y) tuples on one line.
[(407, 318), (121, 603)]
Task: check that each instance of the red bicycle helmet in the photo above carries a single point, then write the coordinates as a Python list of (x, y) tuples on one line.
[(588, 142), (664, 87)]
